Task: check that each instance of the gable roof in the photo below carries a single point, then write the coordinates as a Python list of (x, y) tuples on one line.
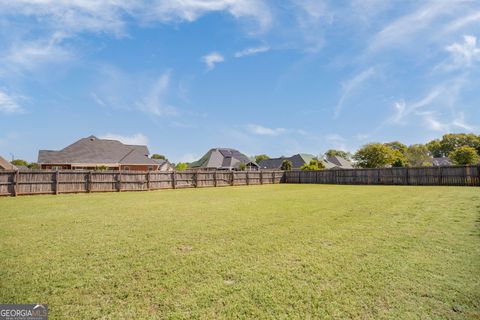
[(441, 161), (92, 150), (5, 165), (222, 158), (297, 161), (340, 162)]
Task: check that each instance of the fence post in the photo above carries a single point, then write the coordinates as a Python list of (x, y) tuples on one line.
[(261, 177), (57, 174), (215, 178), (15, 183), (148, 180), (89, 182), (233, 178), (248, 179), (119, 181), (273, 177), (478, 174), (195, 179), (439, 175), (174, 182), (407, 180)]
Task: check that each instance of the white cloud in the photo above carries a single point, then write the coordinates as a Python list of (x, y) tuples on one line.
[(211, 59), (153, 102), (403, 110), (30, 55), (464, 54), (190, 10), (118, 89), (336, 141), (458, 122), (264, 131), (138, 138), (422, 26), (463, 22), (351, 85), (97, 99), (9, 103), (251, 51), (112, 16)]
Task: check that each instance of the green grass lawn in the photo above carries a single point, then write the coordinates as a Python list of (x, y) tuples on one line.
[(277, 251)]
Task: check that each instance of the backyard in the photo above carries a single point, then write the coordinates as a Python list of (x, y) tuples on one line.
[(271, 251)]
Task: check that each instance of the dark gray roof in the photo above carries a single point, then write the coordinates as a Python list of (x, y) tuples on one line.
[(441, 161), (92, 150), (5, 165), (222, 158)]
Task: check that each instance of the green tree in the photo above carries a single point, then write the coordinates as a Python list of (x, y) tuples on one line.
[(435, 148), (418, 155), (260, 157), (398, 159), (397, 145), (313, 165), (181, 166), (33, 165), (101, 168), (344, 154), (19, 162), (242, 166), (286, 165), (451, 141), (158, 156), (375, 155), (464, 155)]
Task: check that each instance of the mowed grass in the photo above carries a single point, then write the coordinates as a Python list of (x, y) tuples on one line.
[(272, 251)]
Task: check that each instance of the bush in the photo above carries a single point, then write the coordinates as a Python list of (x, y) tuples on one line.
[(313, 165)]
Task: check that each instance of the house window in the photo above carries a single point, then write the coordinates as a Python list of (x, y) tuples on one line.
[(150, 168), (56, 168), (126, 168)]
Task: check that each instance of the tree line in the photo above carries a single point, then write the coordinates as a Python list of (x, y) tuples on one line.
[(459, 148)]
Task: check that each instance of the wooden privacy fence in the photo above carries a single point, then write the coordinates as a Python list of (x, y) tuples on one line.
[(74, 181), (55, 182), (438, 176)]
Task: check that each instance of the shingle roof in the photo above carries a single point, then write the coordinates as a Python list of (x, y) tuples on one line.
[(340, 162), (5, 165), (297, 160), (92, 150), (441, 161), (222, 158)]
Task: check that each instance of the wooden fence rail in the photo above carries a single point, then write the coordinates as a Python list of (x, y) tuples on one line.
[(73, 181), (434, 176), (14, 183)]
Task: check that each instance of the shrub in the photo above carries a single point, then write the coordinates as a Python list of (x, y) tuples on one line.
[(313, 165)]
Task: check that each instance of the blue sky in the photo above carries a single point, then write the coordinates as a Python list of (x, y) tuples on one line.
[(275, 77)]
